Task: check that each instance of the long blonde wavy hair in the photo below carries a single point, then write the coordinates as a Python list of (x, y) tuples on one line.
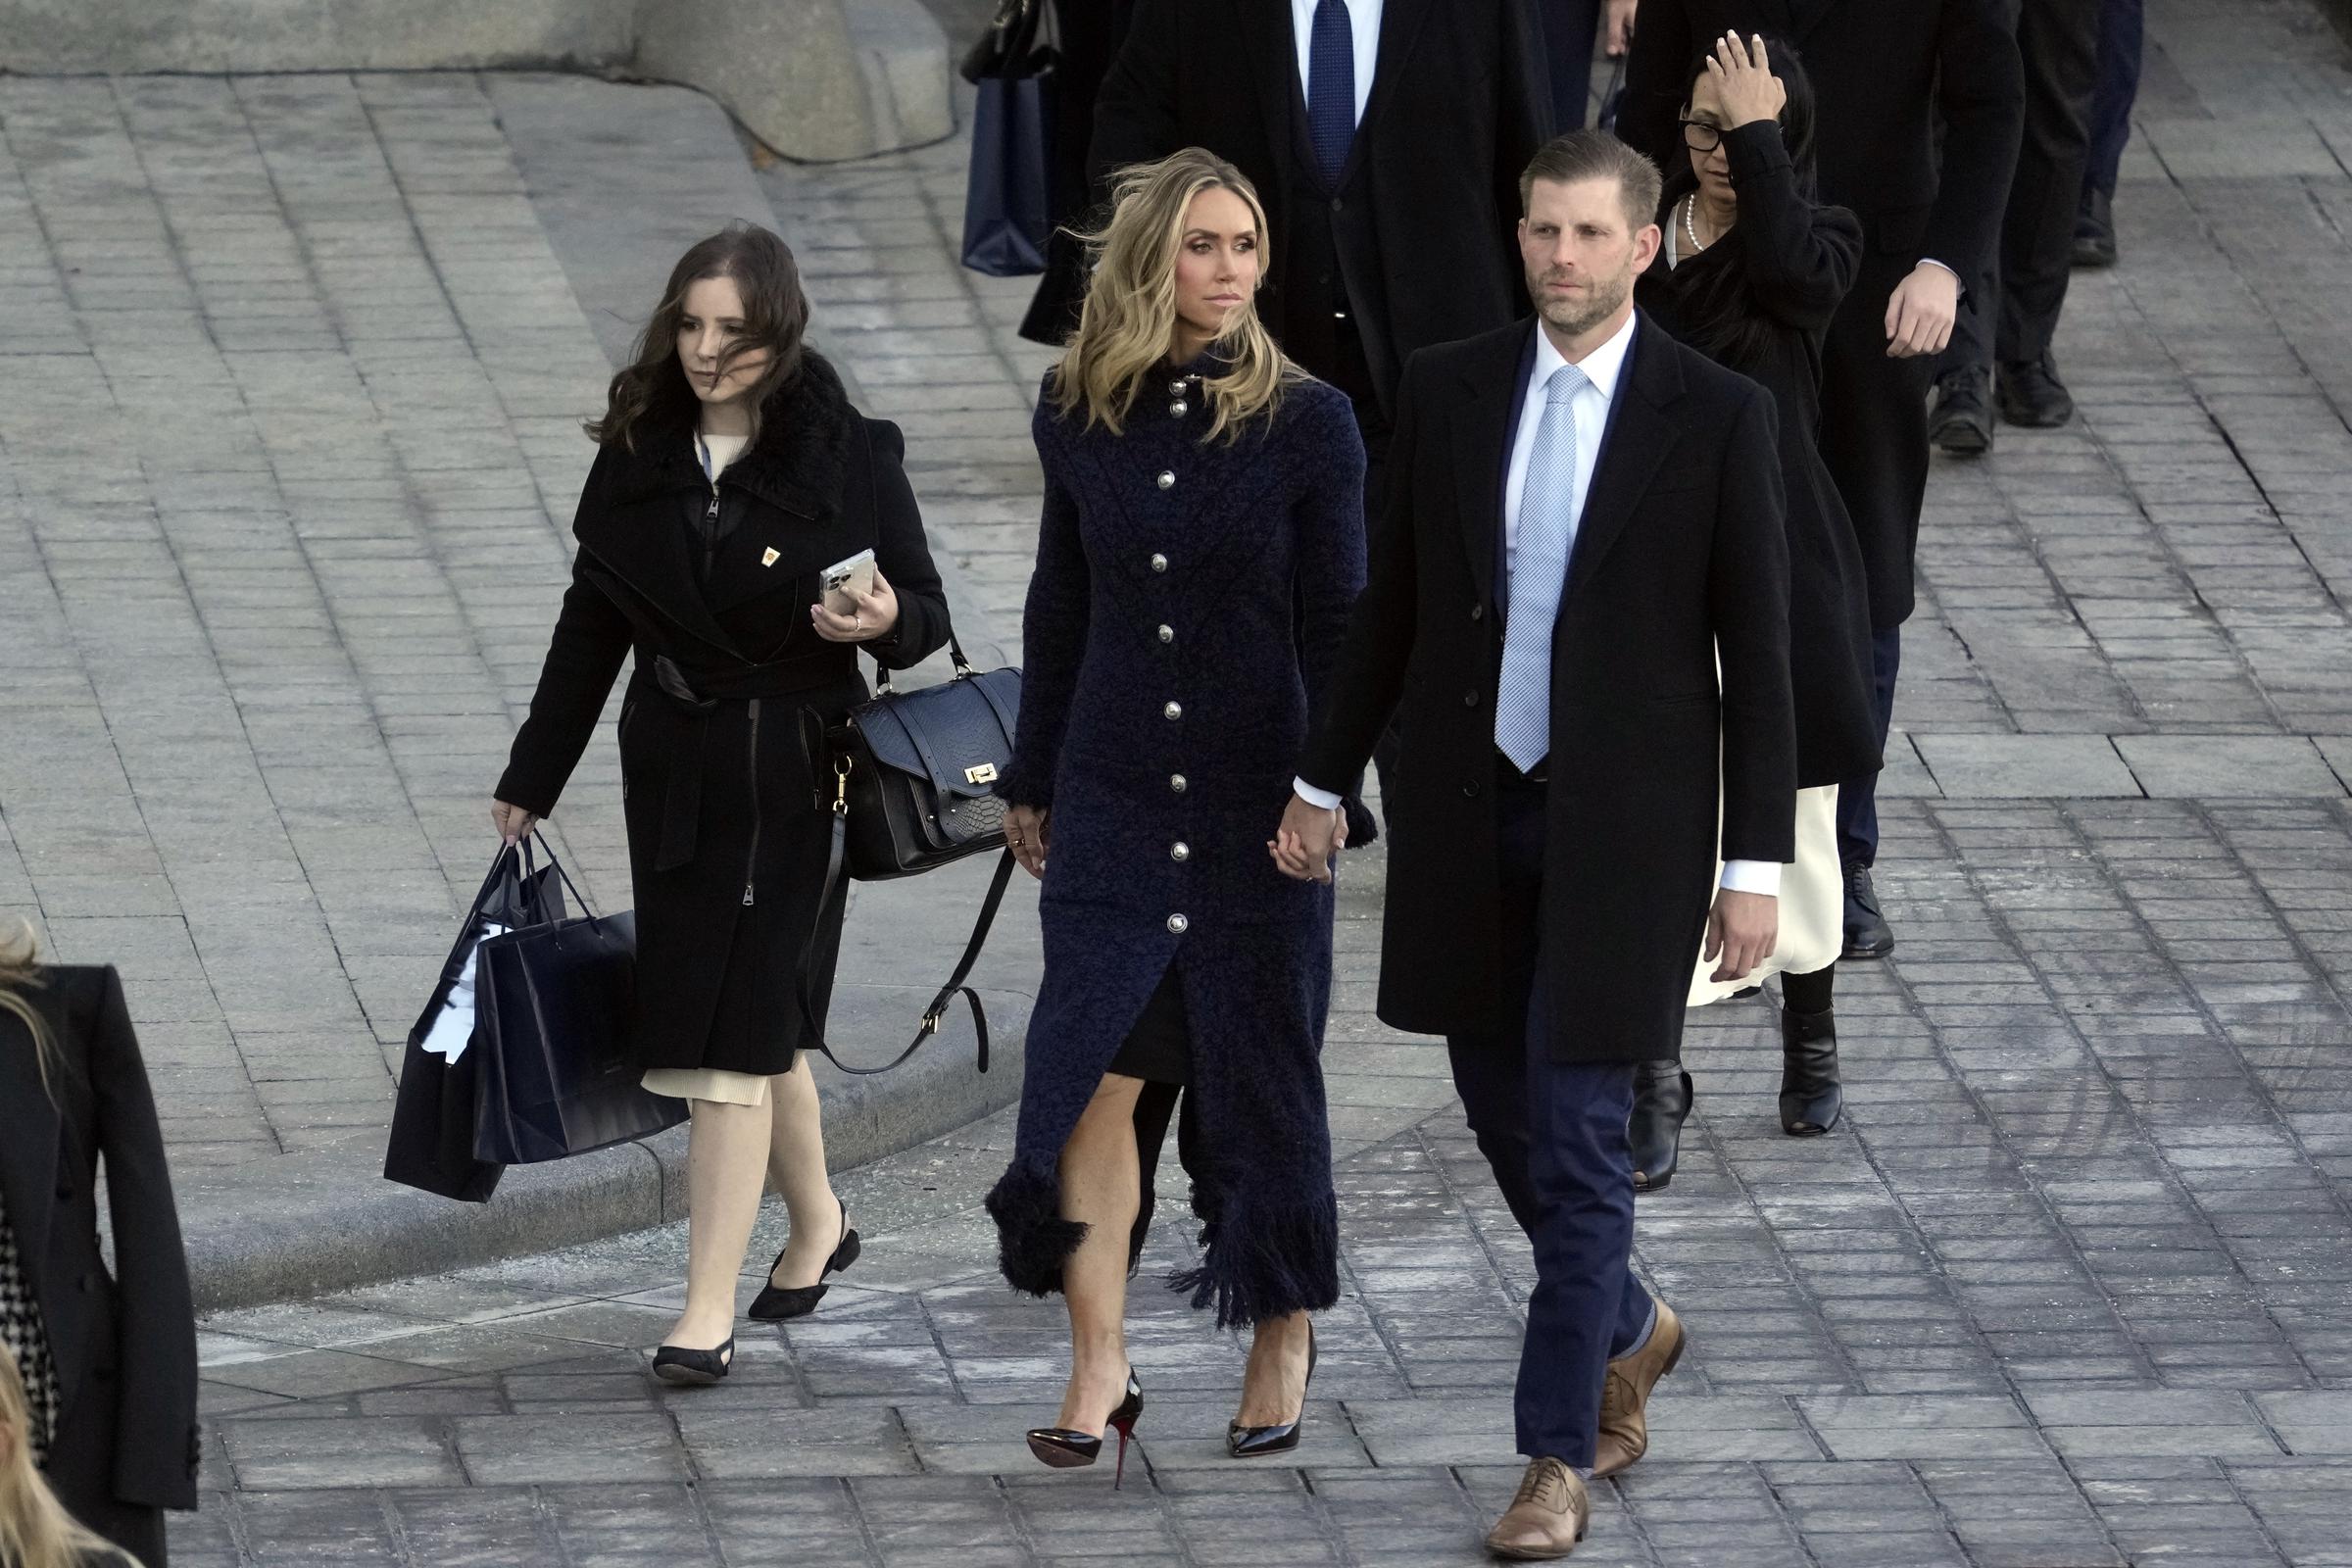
[(20, 972), (36, 1531), (1129, 319)]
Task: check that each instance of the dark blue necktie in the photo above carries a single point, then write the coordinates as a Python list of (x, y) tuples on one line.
[(1331, 89)]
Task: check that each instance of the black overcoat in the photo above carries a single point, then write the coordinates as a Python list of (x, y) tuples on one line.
[(1920, 103), (1680, 551), (722, 726), (1186, 612), (1422, 216), (124, 1340), (1796, 260)]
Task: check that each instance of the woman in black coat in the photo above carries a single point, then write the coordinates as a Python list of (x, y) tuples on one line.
[(732, 472), (1200, 547), (1750, 272), (108, 1358)]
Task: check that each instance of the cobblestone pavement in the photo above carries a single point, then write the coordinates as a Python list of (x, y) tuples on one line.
[(2071, 1286)]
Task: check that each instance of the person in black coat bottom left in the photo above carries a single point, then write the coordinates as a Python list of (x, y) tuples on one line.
[(733, 473), (107, 1357)]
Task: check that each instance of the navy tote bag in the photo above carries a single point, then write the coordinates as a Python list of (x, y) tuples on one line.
[(552, 1006), (1009, 193)]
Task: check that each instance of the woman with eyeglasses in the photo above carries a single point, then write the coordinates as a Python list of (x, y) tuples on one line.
[(1750, 270)]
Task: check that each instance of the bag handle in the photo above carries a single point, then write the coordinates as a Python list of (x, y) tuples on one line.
[(963, 665), (803, 983), (594, 921)]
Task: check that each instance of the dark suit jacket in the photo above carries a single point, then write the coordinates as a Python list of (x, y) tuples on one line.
[(1885, 71), (1680, 552), (1423, 218), (124, 1344)]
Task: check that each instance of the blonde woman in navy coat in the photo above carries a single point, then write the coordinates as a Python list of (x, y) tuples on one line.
[(1201, 548)]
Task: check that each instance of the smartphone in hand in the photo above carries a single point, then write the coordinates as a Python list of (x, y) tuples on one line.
[(844, 580)]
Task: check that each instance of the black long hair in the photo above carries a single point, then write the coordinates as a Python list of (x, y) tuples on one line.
[(1711, 288)]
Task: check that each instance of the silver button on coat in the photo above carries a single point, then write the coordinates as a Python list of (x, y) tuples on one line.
[(1167, 634), (1167, 478), (1176, 782), (1159, 563), (1180, 850), (1174, 710), (1179, 924)]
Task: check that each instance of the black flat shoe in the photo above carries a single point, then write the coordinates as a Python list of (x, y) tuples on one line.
[(2032, 395), (1066, 1450), (1251, 1442), (1811, 1099), (1960, 422), (776, 1303), (1867, 934), (1662, 1096), (694, 1369)]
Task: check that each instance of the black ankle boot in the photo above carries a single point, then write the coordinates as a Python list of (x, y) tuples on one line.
[(1661, 1104), (1810, 1097)]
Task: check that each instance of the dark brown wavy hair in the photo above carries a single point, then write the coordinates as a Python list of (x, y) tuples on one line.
[(653, 386)]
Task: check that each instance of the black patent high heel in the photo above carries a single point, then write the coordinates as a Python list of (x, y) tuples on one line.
[(1251, 1442), (697, 1369), (1066, 1450), (776, 1303), (1662, 1096), (1811, 1098)]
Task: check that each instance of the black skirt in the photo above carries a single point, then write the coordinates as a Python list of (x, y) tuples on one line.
[(1160, 1047)]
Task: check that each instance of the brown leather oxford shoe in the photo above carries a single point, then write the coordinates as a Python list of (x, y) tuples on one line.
[(1625, 1395), (1546, 1519)]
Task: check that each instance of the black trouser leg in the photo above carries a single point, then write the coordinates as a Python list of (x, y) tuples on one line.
[(2059, 42), (1569, 30)]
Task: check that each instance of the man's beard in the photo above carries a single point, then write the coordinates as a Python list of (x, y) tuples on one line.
[(1600, 301)]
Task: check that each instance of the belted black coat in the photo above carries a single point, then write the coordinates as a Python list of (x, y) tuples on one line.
[(721, 728), (124, 1340)]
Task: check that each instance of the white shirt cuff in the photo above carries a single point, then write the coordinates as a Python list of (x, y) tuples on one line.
[(1752, 876), (1930, 261), (1328, 801)]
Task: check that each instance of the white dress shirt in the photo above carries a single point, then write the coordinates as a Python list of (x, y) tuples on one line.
[(1363, 26), (1604, 368)]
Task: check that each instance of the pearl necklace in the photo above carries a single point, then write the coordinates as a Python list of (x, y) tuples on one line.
[(1690, 228)]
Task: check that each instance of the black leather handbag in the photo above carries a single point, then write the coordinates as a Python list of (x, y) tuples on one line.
[(914, 776)]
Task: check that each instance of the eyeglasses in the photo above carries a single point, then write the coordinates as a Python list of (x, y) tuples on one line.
[(1701, 135)]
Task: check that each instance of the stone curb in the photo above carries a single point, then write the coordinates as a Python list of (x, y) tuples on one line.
[(297, 1225)]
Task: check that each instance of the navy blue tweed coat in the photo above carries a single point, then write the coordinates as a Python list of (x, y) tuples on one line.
[(1187, 610)]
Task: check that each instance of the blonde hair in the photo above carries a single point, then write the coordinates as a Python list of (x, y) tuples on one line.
[(1130, 313), (20, 972), (36, 1531)]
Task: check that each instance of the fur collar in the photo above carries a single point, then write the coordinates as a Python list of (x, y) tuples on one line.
[(800, 462)]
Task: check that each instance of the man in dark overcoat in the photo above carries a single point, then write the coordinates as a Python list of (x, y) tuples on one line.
[(1884, 72), (1582, 514), (1385, 138)]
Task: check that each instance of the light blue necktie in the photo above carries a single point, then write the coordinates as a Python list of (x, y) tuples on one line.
[(1538, 577)]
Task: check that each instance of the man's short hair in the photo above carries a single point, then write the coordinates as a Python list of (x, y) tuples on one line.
[(1582, 154)]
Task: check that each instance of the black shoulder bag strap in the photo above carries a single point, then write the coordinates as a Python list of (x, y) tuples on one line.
[(813, 1033)]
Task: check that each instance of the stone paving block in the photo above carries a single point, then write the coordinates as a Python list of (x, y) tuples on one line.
[(546, 1450), (373, 1451), (2229, 766), (2065, 766)]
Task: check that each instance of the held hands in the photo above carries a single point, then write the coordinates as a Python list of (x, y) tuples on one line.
[(1744, 80), (871, 614), (1742, 928), (1621, 26), (513, 823), (1921, 311), (1309, 838), (1026, 830)]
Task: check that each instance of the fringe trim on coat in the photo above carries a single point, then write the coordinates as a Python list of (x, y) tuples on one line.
[(1033, 1240), (1262, 1261)]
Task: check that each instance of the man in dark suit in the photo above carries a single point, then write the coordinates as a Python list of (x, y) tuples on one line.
[(2001, 345), (1385, 138), (1884, 72), (1581, 516)]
